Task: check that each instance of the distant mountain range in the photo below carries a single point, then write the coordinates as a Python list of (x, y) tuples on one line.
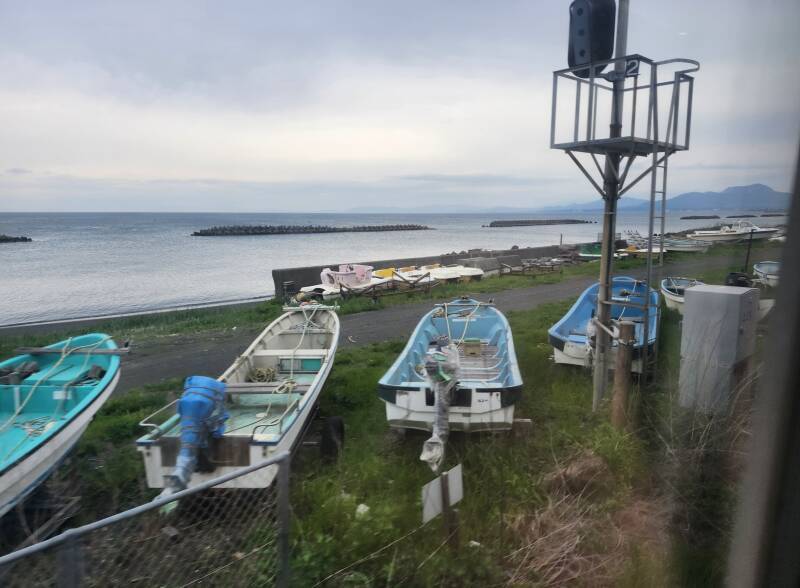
[(752, 197)]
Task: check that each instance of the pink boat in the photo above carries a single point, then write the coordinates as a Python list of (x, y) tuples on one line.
[(350, 275)]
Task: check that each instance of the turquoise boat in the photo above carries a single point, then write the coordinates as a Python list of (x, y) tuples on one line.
[(48, 397), (571, 336)]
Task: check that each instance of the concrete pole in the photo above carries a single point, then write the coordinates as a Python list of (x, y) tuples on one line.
[(611, 189), (622, 376)]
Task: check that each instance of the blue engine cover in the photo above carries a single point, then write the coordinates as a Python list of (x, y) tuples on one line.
[(202, 409), (203, 414)]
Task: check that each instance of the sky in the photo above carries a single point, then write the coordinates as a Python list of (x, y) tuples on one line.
[(276, 106)]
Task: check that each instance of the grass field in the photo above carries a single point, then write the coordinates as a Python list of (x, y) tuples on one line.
[(524, 519), (508, 479)]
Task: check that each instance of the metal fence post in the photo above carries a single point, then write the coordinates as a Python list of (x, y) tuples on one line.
[(70, 564), (283, 523)]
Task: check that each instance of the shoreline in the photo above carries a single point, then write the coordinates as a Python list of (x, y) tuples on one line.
[(43, 326)]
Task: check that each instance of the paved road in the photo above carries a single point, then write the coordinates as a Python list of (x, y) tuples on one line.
[(210, 355)]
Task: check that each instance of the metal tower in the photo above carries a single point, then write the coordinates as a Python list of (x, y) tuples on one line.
[(656, 125)]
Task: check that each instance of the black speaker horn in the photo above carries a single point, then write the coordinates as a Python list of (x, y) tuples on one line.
[(591, 34)]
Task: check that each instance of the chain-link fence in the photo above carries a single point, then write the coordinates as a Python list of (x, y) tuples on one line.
[(204, 536)]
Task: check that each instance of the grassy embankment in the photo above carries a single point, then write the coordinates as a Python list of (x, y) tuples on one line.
[(533, 514)]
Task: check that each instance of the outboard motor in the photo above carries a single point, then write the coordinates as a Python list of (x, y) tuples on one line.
[(203, 415), (738, 279)]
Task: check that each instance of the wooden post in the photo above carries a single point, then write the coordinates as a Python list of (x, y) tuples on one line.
[(622, 376), (448, 514)]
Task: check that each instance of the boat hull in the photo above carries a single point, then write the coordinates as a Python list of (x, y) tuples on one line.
[(580, 355), (763, 234), (19, 481), (768, 273), (673, 301)]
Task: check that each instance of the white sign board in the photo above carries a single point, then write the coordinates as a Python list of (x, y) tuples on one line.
[(432, 493)]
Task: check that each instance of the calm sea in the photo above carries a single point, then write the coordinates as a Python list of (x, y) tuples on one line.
[(89, 264)]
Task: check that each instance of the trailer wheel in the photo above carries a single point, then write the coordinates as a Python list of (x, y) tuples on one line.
[(332, 441)]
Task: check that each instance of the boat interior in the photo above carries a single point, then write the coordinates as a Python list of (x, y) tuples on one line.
[(39, 393), (678, 286), (481, 334), (267, 383), (573, 326)]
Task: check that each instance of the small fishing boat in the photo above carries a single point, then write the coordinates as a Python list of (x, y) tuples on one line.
[(673, 290), (768, 272), (572, 336), (48, 396), (669, 243), (734, 232), (350, 278), (686, 245), (349, 275), (594, 251), (488, 377), (636, 250), (448, 273), (261, 405)]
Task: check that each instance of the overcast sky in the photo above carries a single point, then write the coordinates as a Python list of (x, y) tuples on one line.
[(266, 106)]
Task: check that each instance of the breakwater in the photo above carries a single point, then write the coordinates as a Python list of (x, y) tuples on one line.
[(699, 216), (8, 239), (245, 230), (539, 222)]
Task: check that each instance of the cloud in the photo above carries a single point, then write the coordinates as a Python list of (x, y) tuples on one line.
[(334, 102)]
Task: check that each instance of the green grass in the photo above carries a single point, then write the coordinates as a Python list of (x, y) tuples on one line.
[(503, 474), (105, 469)]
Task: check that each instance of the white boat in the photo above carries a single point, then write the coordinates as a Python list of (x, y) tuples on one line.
[(263, 404), (487, 380), (669, 243), (768, 272), (686, 245), (734, 232), (673, 290), (349, 275), (447, 273)]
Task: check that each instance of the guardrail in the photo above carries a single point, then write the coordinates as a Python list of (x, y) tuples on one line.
[(204, 535)]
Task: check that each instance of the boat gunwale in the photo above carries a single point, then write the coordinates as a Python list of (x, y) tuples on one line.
[(515, 374)]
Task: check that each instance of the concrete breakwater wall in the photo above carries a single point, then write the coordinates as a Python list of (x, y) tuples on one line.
[(539, 222), (488, 260), (246, 230)]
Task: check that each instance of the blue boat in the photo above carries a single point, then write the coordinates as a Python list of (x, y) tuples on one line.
[(489, 381), (572, 335), (48, 396)]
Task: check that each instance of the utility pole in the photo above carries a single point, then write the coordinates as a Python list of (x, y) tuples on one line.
[(611, 189)]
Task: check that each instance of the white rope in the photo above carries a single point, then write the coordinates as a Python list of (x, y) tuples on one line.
[(65, 352)]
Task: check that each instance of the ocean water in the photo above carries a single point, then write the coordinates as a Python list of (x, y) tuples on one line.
[(90, 264)]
